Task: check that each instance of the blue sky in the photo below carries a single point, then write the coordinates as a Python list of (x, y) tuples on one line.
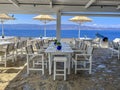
[(28, 19)]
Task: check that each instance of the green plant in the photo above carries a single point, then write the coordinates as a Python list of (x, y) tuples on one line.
[(55, 40), (58, 44)]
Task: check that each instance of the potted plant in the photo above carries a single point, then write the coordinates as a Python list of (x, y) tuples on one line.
[(55, 41), (59, 46), (40, 36), (3, 36)]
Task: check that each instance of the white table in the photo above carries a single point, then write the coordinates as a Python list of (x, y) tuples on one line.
[(86, 39), (66, 49), (4, 43), (6, 38), (44, 38)]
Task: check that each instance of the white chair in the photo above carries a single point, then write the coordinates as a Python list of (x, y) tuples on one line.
[(8, 54), (115, 49), (84, 60), (96, 42), (24, 44), (34, 60), (82, 49), (39, 47), (18, 47), (59, 59), (42, 51)]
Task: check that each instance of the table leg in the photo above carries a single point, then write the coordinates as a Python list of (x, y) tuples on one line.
[(49, 63), (69, 55)]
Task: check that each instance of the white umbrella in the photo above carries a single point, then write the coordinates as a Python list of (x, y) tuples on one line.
[(80, 20), (45, 19), (4, 17)]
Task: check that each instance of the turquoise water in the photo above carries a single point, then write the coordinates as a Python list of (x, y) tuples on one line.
[(111, 34)]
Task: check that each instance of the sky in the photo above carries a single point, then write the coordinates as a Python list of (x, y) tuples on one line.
[(96, 21)]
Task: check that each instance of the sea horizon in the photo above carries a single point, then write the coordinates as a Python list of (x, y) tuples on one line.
[(53, 27), (67, 31), (111, 34)]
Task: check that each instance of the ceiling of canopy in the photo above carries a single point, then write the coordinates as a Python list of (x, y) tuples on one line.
[(65, 6)]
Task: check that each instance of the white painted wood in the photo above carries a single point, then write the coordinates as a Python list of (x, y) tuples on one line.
[(15, 2), (118, 7), (38, 6), (89, 3), (52, 50), (51, 3), (60, 59), (58, 30)]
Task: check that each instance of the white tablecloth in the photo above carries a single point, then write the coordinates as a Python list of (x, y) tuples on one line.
[(4, 43), (6, 38)]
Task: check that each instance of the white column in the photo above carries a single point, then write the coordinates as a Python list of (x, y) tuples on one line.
[(58, 31)]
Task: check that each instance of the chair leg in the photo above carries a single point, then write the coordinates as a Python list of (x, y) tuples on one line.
[(5, 63), (27, 65), (33, 64), (13, 58), (54, 70), (118, 55), (72, 63), (42, 67), (75, 67), (84, 64), (90, 67), (112, 53), (64, 70), (5, 60), (46, 64)]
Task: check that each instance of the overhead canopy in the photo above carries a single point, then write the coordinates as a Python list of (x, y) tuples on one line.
[(52, 6)]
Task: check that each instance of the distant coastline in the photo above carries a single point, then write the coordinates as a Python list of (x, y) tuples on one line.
[(53, 27)]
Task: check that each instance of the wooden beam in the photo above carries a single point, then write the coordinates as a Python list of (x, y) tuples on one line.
[(15, 2), (89, 3), (118, 7), (9, 8), (58, 25), (91, 14), (51, 4)]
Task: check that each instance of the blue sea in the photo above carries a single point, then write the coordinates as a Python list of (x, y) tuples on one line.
[(111, 34)]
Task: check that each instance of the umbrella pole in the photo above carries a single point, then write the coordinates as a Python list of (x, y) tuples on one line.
[(45, 30), (79, 31), (2, 29)]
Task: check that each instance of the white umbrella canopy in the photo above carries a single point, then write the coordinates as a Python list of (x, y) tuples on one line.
[(3, 18), (80, 20), (45, 19)]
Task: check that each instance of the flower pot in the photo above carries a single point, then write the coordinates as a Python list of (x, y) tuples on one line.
[(2, 36), (55, 43), (59, 47)]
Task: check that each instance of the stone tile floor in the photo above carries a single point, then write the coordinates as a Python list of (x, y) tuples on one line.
[(105, 76)]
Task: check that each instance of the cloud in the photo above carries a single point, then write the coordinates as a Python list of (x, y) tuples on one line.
[(104, 26)]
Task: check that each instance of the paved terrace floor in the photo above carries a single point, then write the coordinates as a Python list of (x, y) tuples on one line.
[(105, 76)]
